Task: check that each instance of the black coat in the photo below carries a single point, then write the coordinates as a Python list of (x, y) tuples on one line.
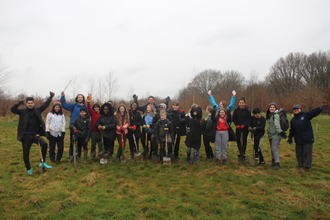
[(109, 121), (135, 119), (178, 119), (160, 132), (84, 127), (301, 127), (242, 116), (24, 118), (195, 124)]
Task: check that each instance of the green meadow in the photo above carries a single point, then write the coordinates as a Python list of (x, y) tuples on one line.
[(150, 190)]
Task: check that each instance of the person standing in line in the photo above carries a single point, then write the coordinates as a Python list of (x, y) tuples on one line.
[(123, 123), (55, 128), (302, 132), (134, 129), (275, 133), (241, 117), (177, 116), (74, 108), (94, 112), (257, 127), (30, 129), (209, 133), (106, 124)]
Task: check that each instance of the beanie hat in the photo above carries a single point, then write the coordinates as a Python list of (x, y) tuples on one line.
[(273, 103), (163, 105)]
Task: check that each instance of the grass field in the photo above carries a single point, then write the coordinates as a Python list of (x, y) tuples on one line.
[(149, 190)]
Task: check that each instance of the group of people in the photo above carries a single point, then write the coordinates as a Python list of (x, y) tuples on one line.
[(162, 129)]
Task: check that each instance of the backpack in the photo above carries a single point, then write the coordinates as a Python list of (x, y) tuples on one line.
[(284, 122)]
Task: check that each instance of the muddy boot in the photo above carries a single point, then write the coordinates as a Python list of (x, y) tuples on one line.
[(224, 161), (273, 163), (85, 156), (196, 156), (188, 155), (145, 150)]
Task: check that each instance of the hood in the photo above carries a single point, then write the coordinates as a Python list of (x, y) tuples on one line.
[(199, 112)]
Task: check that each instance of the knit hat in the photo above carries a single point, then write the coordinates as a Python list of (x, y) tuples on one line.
[(273, 103), (163, 105), (297, 106)]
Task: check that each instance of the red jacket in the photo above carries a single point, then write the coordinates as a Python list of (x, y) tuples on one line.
[(94, 117)]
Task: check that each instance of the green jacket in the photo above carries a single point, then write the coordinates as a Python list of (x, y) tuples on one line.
[(274, 127)]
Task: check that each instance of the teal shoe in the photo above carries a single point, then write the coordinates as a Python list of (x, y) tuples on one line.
[(30, 171), (47, 166)]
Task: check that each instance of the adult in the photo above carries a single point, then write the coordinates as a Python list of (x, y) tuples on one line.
[(143, 108), (275, 133), (241, 117), (30, 129), (302, 132), (74, 108)]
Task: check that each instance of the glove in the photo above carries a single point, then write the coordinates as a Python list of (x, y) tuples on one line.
[(242, 126), (209, 92), (135, 97), (51, 94), (86, 141), (290, 141), (167, 99), (234, 93), (324, 107), (89, 97), (62, 93), (75, 131), (21, 101), (122, 129), (283, 134), (252, 129), (132, 127)]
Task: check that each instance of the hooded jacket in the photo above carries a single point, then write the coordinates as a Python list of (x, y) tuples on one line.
[(109, 121), (24, 118), (84, 127), (242, 116), (195, 124)]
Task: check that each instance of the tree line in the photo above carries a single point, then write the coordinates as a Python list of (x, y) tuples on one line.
[(295, 79)]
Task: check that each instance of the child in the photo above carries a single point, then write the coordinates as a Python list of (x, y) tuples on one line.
[(194, 122), (134, 129), (164, 133), (221, 135), (30, 128), (96, 136), (209, 133), (55, 128), (257, 127), (82, 129), (149, 119), (122, 117), (106, 124), (177, 117)]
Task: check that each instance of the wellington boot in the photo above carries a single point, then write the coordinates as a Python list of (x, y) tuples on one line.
[(30, 171), (46, 166), (277, 166)]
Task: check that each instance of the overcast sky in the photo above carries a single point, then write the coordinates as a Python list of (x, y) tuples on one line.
[(152, 47)]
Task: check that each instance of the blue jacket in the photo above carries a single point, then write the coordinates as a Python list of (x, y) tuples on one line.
[(74, 108), (230, 107), (301, 128)]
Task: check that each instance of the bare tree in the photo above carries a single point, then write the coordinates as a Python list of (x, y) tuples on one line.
[(4, 74), (111, 85), (75, 86)]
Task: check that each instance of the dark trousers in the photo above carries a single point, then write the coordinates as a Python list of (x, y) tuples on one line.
[(177, 144), (133, 148), (27, 141), (81, 143), (108, 146), (256, 144), (71, 143), (304, 154), (151, 139), (162, 150), (121, 138), (208, 148), (242, 133), (53, 141)]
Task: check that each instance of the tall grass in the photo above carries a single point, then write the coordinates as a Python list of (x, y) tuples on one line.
[(149, 190)]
